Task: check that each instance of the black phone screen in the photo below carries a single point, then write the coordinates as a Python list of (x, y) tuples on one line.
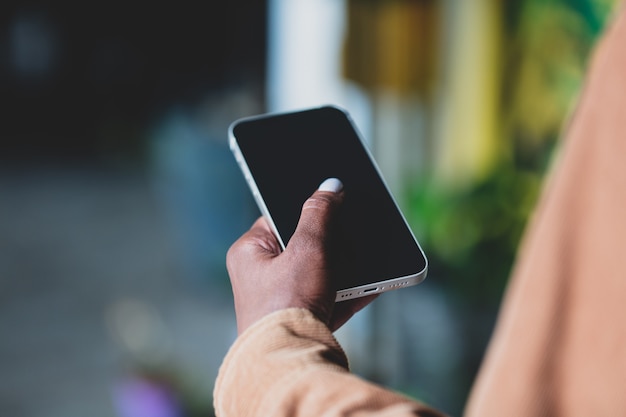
[(289, 155)]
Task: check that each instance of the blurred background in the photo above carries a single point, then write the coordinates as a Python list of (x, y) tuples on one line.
[(119, 196)]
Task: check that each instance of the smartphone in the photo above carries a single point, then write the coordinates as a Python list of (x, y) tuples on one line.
[(285, 156)]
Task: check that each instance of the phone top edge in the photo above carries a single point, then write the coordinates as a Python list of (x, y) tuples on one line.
[(287, 112)]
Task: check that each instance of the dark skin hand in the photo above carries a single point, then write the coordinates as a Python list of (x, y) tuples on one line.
[(265, 279)]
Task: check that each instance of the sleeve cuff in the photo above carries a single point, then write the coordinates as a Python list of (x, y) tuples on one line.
[(280, 345)]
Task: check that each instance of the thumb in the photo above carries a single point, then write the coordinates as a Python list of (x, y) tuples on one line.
[(318, 213)]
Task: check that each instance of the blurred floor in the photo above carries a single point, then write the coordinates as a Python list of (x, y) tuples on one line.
[(76, 246)]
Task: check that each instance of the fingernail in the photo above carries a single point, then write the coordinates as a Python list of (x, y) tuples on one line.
[(331, 184)]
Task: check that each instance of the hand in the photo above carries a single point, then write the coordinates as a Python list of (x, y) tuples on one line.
[(265, 280)]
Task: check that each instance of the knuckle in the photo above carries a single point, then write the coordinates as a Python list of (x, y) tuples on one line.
[(322, 204), (317, 201)]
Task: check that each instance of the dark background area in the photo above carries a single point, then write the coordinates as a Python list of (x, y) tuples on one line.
[(117, 194), (84, 79)]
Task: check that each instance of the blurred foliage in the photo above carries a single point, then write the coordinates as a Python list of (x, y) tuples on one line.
[(546, 47), (471, 233)]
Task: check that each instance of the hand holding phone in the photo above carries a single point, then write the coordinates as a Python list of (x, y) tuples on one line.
[(285, 156), (266, 279)]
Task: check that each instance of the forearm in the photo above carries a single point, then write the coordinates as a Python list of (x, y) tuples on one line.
[(289, 363)]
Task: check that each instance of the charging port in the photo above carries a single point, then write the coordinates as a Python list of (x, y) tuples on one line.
[(370, 289)]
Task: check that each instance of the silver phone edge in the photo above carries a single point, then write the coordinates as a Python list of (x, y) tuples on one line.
[(343, 294), (234, 146), (381, 286)]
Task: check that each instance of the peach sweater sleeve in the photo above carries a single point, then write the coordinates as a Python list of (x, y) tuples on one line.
[(290, 364)]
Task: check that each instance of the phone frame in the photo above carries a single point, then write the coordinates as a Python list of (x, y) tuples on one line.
[(347, 293)]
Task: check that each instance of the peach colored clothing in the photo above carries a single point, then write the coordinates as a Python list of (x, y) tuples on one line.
[(289, 364), (559, 348)]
